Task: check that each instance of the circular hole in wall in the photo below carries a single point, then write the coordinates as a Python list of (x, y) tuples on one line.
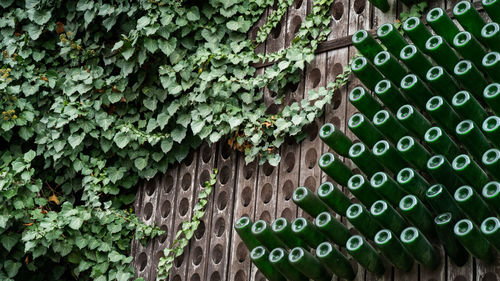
[(150, 187), (169, 184), (240, 276), (225, 150), (310, 183), (148, 211), (266, 193), (315, 77), (217, 254), (220, 227), (165, 208), (268, 169), (265, 216), (246, 196), (248, 170), (337, 10), (163, 238), (197, 255), (206, 153), (311, 158), (312, 131), (186, 181), (288, 190), (289, 161), (241, 252), (359, 6), (225, 174), (204, 177), (183, 207), (215, 276), (142, 261), (195, 277), (222, 200), (287, 214), (200, 231)]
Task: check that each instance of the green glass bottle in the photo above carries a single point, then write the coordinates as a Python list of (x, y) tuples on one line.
[(364, 129), (306, 263), (417, 31), (413, 152), (389, 66), (441, 143), (282, 228), (279, 259), (366, 72), (365, 255), (442, 113), (388, 156), (334, 261), (361, 188), (382, 5), (417, 214), (260, 257), (442, 171), (415, 60), (335, 168), (333, 229), (412, 182), (490, 36), (474, 241), (469, 76), (492, 8), (442, 24), (441, 201), (386, 123), (308, 201), (468, 107), (491, 63), (307, 232), (441, 52), (469, 171), (471, 136), (419, 247), (471, 204), (490, 228), (444, 224), (391, 38), (364, 102), (366, 44), (491, 195), (491, 129), (469, 18), (390, 95), (334, 198), (262, 231), (491, 161), (335, 139), (388, 217), (243, 227), (469, 48), (491, 95), (413, 120), (362, 220), (442, 82), (415, 90), (364, 159), (392, 249)]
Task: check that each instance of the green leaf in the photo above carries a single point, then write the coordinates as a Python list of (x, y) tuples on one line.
[(166, 145), (140, 163), (114, 256), (10, 240), (151, 45), (167, 46), (178, 134), (75, 140), (121, 139), (29, 156), (11, 268), (75, 223)]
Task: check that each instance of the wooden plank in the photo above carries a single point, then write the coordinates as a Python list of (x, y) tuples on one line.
[(252, 33), (487, 272), (462, 273), (440, 272), (296, 16), (379, 17), (276, 39)]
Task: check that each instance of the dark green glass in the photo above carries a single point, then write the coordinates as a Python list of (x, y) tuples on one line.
[(441, 52), (306, 263), (444, 224), (388, 156), (492, 8), (442, 202), (469, 48), (412, 182), (471, 204), (386, 123), (308, 232), (362, 190), (469, 171), (490, 36), (364, 102), (366, 44), (442, 24), (333, 198), (417, 214), (390, 95), (468, 107), (491, 161), (469, 76), (366, 72), (491, 129), (260, 257), (389, 66), (419, 247), (490, 228), (491, 195), (262, 231), (388, 217), (392, 249), (469, 18), (364, 159), (443, 173), (442, 82), (441, 143), (491, 95), (413, 152), (365, 254), (333, 229), (391, 38), (364, 129), (335, 168), (491, 63), (335, 139), (442, 113), (282, 228), (382, 5), (243, 227), (416, 30), (363, 221), (415, 90), (279, 259), (471, 136), (415, 60), (334, 261), (413, 120), (308, 201), (472, 239)]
